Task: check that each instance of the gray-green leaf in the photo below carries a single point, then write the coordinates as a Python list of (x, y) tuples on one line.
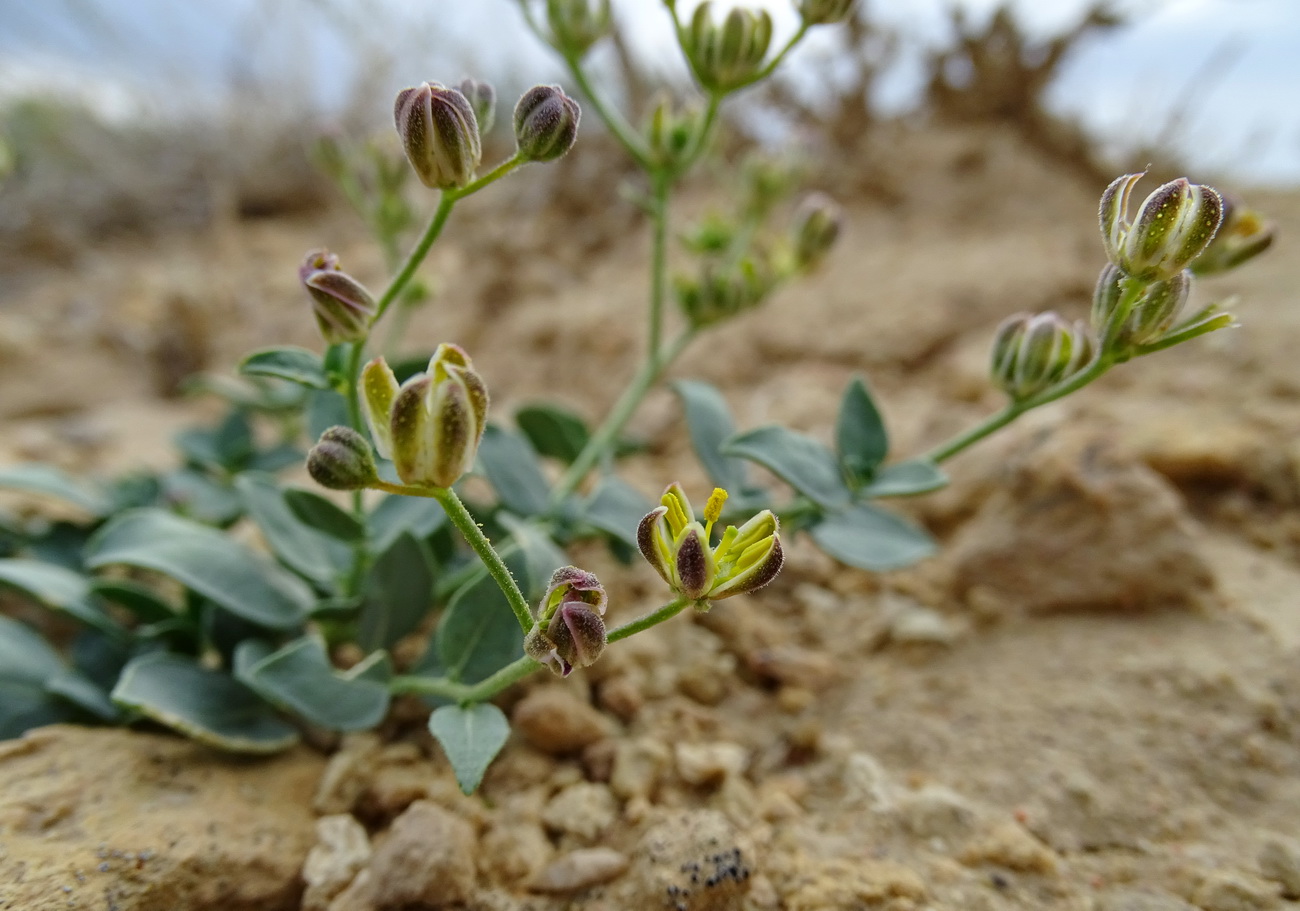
[(300, 679), (514, 471), (59, 589), (49, 481), (708, 420), (320, 557), (800, 461), (297, 365), (471, 736), (399, 593), (616, 508), (478, 635), (554, 432), (860, 434), (871, 539), (904, 479)]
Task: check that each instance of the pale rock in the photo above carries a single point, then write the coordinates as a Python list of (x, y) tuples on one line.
[(1011, 846), (578, 870), (584, 810), (709, 763), (347, 775), (426, 858), (638, 765), (341, 850), (935, 811), (1136, 900), (513, 850), (1279, 860), (691, 861), (553, 719), (1228, 890), (866, 783)]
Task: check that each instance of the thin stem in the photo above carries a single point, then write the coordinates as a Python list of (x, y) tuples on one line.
[(623, 131), (660, 183), (469, 529), (417, 255), (466, 693), (654, 618), (604, 437)]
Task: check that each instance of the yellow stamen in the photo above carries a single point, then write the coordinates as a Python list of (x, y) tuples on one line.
[(713, 509)]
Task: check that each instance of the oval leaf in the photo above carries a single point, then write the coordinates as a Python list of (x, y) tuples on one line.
[(203, 559), (49, 481), (616, 508), (800, 461), (515, 473), (59, 589), (324, 516), (872, 539), (479, 635), (860, 433), (321, 558), (905, 479), (300, 679), (206, 705), (297, 365), (708, 420), (395, 514), (471, 736), (26, 662), (554, 432)]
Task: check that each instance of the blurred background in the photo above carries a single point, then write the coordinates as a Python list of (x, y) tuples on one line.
[(131, 113)]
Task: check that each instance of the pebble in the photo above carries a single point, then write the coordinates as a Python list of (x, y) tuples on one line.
[(1227, 890), (1009, 845), (584, 810), (341, 850), (638, 765), (556, 721), (580, 869), (513, 851), (1135, 900), (866, 783), (935, 811), (709, 763), (426, 859), (1279, 860)]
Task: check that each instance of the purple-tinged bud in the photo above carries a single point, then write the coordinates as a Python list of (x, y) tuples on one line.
[(825, 12), (482, 97), (342, 306), (816, 228), (574, 637), (1152, 315), (341, 460), (729, 55), (1243, 235), (1174, 225), (577, 24), (432, 424), (1032, 353), (569, 583), (694, 564), (440, 134), (546, 123)]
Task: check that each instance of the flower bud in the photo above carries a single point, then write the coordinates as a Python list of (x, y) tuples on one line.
[(1033, 352), (482, 98), (546, 123), (720, 294), (824, 12), (670, 132), (343, 307), (1150, 317), (431, 425), (730, 55), (816, 227), (440, 134), (1174, 225), (576, 24), (678, 547), (569, 632), (1243, 235), (341, 460)]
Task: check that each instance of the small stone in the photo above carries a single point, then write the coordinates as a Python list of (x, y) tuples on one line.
[(556, 721), (584, 810), (794, 665), (1279, 860), (347, 775), (621, 696), (710, 763), (427, 858), (358, 896), (513, 851), (693, 861), (341, 850), (1227, 890), (825, 883), (913, 623), (638, 765), (866, 783), (579, 870), (1134, 900), (935, 811), (1009, 845)]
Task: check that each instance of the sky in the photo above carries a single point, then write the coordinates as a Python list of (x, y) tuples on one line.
[(1219, 79)]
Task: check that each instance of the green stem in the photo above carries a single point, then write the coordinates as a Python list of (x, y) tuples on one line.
[(654, 618), (469, 529), (660, 183), (623, 131), (603, 439), (466, 693)]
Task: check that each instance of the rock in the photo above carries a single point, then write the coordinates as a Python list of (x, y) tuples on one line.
[(584, 809), (793, 665), (513, 850), (1279, 860), (341, 850), (579, 870), (692, 861), (426, 858), (1077, 525), (358, 896), (1134, 900), (937, 812), (638, 764), (709, 763), (106, 818), (556, 721), (1009, 845), (866, 783), (822, 883), (347, 775), (1228, 890)]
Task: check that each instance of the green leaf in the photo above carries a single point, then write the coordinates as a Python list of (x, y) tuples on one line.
[(59, 589), (515, 473), (143, 602), (276, 458), (399, 593), (77, 689), (541, 555), (202, 497), (324, 516), (709, 423), (297, 365), (872, 539), (800, 461), (226, 447), (860, 434), (478, 635), (205, 561), (395, 514), (206, 705), (26, 662), (325, 409), (554, 432), (25, 657), (616, 508), (471, 736), (300, 679), (904, 479), (319, 557), (50, 482)]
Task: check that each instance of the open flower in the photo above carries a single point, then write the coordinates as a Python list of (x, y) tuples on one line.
[(678, 547), (431, 425)]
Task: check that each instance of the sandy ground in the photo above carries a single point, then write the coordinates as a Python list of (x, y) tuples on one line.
[(1090, 700)]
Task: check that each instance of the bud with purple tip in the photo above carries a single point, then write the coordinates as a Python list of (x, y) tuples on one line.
[(482, 97), (816, 228), (546, 123), (341, 460), (577, 24), (1173, 227), (1243, 235), (343, 307), (570, 631), (731, 54), (440, 133)]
